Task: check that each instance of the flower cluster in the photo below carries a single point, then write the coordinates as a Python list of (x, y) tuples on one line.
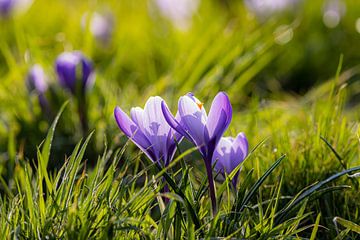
[(75, 73), (155, 130)]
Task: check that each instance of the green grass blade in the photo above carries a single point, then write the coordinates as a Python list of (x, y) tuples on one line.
[(312, 190), (347, 224), (48, 140), (259, 182)]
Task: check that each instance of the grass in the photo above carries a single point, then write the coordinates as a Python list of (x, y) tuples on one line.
[(297, 104)]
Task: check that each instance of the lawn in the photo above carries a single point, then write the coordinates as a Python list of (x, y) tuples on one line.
[(179, 119)]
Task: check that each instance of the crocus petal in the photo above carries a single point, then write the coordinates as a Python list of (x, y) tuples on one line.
[(230, 153), (74, 66), (36, 79), (87, 71), (241, 144), (222, 155), (156, 127), (193, 119), (173, 121), (137, 115), (219, 116), (66, 69), (133, 132)]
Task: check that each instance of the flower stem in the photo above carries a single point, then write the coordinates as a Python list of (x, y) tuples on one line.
[(211, 187), (82, 110), (166, 190)]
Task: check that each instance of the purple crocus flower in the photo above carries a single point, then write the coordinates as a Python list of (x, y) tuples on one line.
[(266, 8), (36, 79), (6, 7), (75, 71), (10, 7), (101, 26), (148, 129), (229, 153), (36, 82), (179, 12), (203, 130)]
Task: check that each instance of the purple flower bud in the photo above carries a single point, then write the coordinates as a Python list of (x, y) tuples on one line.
[(36, 79), (6, 7), (75, 71), (229, 153)]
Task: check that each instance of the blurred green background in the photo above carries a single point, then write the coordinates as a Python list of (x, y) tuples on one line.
[(263, 49)]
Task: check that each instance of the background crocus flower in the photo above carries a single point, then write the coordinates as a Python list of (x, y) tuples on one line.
[(203, 130), (75, 71), (266, 8), (6, 7), (229, 153), (101, 25), (36, 82), (179, 12), (149, 130), (333, 11), (36, 79), (9, 7)]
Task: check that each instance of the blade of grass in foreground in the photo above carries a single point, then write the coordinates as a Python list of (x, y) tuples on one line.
[(258, 183), (178, 191), (316, 227), (45, 153), (282, 213), (348, 224)]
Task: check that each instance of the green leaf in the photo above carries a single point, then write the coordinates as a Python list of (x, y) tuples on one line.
[(316, 226), (48, 140), (347, 224)]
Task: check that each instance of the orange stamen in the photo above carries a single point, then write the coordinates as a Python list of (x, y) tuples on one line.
[(200, 104)]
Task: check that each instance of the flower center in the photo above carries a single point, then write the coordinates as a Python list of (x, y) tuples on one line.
[(200, 104)]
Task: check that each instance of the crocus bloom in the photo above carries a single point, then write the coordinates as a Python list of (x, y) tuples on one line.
[(6, 7), (36, 79), (75, 71), (180, 12), (36, 82), (229, 153), (266, 8), (203, 130), (148, 129), (334, 10), (101, 25), (9, 7)]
